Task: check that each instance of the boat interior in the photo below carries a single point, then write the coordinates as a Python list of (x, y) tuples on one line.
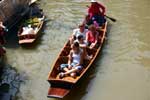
[(63, 58)]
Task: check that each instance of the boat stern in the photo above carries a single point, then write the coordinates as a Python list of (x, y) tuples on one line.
[(57, 92)]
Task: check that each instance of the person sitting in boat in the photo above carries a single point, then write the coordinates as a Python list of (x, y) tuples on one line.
[(75, 62), (96, 12), (79, 31), (92, 36), (84, 45)]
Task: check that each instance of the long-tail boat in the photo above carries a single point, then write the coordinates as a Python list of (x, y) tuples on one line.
[(60, 87)]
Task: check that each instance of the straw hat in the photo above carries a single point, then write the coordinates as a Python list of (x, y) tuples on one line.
[(93, 1)]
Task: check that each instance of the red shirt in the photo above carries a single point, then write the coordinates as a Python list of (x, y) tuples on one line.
[(92, 38), (96, 9)]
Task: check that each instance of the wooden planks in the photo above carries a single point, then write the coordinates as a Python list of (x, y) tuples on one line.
[(57, 92)]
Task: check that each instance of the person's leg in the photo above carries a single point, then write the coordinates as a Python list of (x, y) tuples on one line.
[(75, 69), (71, 39), (73, 75), (64, 67)]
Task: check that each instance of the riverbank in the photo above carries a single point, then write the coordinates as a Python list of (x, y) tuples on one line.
[(10, 82)]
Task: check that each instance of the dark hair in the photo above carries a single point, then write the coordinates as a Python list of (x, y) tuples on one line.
[(80, 37), (92, 27), (76, 44)]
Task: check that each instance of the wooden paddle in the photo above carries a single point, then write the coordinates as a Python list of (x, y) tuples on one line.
[(112, 19)]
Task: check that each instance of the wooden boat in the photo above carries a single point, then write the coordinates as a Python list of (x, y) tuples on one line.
[(61, 87), (30, 28)]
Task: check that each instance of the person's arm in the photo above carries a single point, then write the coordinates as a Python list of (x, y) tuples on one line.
[(83, 45), (103, 8), (94, 44), (74, 33), (87, 36), (89, 12), (72, 36), (1, 25), (70, 59), (82, 56), (96, 38), (71, 39)]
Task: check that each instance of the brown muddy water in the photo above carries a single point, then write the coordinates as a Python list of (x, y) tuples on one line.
[(121, 72)]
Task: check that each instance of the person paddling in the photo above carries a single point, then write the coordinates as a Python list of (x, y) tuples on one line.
[(96, 12)]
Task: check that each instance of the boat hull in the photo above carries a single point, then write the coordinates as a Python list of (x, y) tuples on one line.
[(31, 30), (61, 87)]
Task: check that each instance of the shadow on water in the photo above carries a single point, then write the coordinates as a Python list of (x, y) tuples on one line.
[(11, 81), (11, 38), (110, 25), (4, 87)]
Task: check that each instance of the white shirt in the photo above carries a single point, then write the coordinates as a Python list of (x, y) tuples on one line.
[(76, 33), (77, 57)]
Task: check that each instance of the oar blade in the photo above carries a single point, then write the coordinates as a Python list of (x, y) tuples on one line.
[(112, 19)]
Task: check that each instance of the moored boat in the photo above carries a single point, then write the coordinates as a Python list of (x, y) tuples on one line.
[(30, 28), (60, 87)]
